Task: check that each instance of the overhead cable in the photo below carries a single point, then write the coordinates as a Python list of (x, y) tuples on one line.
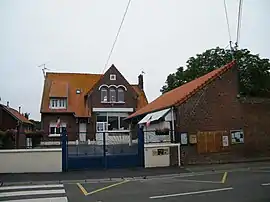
[(239, 23), (115, 40)]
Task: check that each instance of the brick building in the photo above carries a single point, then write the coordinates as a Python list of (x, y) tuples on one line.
[(212, 121), (89, 104)]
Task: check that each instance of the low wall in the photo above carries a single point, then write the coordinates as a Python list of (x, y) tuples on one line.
[(30, 160)]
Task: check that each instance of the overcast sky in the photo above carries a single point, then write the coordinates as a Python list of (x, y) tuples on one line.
[(76, 36)]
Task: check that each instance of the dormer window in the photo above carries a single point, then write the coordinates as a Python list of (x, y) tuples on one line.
[(104, 95), (58, 103), (112, 77)]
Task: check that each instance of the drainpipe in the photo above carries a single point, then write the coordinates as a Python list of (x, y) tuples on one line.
[(173, 131), (130, 134)]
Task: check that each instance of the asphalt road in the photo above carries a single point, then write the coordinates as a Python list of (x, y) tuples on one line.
[(237, 186)]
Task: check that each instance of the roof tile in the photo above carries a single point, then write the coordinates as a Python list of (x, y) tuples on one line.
[(66, 85), (17, 114), (179, 95), (59, 89)]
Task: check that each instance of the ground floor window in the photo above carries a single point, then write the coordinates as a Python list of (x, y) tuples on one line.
[(112, 121), (56, 131)]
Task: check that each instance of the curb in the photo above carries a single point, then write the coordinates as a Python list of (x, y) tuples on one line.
[(104, 180)]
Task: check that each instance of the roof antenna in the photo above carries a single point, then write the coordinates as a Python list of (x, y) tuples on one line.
[(44, 69)]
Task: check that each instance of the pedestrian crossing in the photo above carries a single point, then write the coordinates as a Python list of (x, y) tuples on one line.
[(33, 193)]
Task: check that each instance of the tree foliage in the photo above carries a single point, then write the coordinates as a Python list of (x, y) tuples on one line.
[(254, 71)]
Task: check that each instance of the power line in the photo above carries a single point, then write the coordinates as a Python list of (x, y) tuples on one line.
[(239, 23), (229, 30), (227, 20), (118, 32)]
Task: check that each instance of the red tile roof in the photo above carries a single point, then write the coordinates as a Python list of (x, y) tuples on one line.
[(59, 89), (16, 114), (142, 100), (179, 95), (66, 84)]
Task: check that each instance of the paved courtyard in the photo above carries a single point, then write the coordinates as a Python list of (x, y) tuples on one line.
[(226, 184)]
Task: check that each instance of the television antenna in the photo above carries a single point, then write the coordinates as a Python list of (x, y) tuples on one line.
[(44, 68)]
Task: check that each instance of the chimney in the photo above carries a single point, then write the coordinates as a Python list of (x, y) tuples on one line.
[(19, 109), (7, 103), (140, 81)]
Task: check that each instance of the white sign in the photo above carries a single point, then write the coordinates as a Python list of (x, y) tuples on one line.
[(184, 139), (225, 141)]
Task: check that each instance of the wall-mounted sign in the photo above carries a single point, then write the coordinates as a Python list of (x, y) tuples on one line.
[(237, 136), (192, 139), (160, 152), (225, 141), (184, 139)]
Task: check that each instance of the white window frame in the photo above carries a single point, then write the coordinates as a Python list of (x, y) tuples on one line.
[(110, 93), (58, 103), (54, 125), (106, 124), (112, 77), (120, 90), (106, 96)]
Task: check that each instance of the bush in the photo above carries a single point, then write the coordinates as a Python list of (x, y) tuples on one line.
[(7, 139), (2, 134)]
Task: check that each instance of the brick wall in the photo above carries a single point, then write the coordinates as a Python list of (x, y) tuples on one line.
[(218, 108)]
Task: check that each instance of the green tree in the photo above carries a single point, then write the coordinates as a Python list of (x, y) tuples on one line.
[(37, 124), (254, 71)]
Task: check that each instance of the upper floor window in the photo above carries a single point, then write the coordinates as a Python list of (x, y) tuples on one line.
[(112, 95), (112, 77), (121, 95), (104, 95), (58, 103)]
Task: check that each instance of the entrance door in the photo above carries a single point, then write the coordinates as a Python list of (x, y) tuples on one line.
[(82, 132), (101, 128)]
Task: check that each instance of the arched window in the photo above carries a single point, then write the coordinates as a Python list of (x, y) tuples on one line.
[(112, 95), (121, 95), (104, 95)]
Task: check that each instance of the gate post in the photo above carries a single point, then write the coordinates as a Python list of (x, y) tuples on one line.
[(64, 151), (104, 150), (141, 146)]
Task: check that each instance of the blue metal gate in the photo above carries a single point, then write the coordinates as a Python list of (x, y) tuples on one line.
[(110, 150)]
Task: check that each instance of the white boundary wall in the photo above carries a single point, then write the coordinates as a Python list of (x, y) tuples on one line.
[(152, 159), (30, 160)]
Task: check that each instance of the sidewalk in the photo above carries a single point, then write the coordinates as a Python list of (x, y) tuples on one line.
[(99, 175), (90, 174)]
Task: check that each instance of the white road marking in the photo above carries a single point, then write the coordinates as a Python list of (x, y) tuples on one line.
[(266, 184), (191, 193), (58, 199), (36, 192), (32, 187)]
